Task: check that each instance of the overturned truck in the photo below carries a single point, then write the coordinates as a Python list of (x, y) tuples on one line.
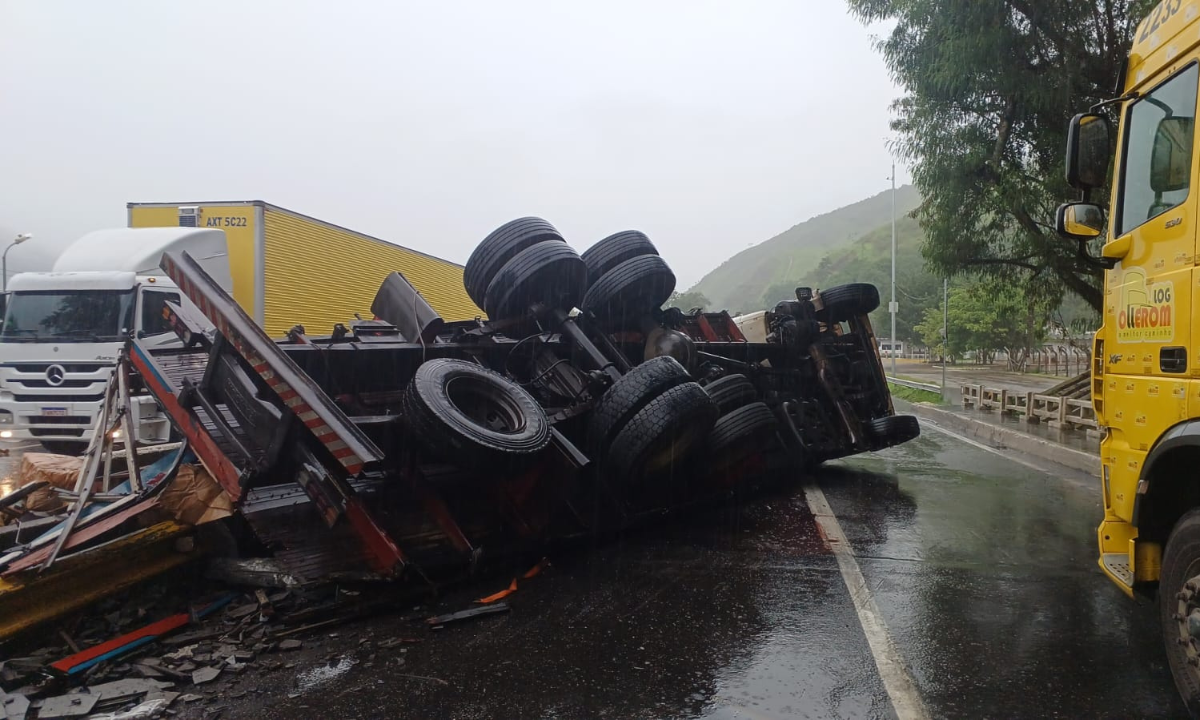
[(578, 407)]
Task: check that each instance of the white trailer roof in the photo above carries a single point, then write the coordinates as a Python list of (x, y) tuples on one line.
[(139, 250)]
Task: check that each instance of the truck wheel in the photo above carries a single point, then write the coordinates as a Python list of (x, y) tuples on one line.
[(549, 272), (630, 290), (498, 248), (614, 250), (630, 393), (472, 416), (661, 435), (1179, 607), (893, 429), (845, 301), (731, 392), (739, 434)]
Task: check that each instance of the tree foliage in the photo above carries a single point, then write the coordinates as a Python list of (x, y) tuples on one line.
[(689, 300), (984, 317), (990, 86)]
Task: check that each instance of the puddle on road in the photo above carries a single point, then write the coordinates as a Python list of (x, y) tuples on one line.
[(318, 676)]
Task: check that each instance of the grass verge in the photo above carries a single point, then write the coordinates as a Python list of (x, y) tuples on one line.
[(914, 395)]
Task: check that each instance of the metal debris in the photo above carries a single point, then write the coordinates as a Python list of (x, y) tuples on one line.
[(441, 620), (67, 706), (15, 706), (205, 674)]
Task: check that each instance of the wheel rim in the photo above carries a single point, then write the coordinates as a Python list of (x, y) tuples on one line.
[(1187, 620), (485, 405)]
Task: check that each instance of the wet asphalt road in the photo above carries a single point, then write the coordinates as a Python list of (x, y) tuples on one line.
[(982, 568)]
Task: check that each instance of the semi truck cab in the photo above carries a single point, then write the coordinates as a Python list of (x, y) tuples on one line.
[(1146, 362), (63, 330)]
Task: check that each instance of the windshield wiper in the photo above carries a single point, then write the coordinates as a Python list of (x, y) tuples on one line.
[(90, 335)]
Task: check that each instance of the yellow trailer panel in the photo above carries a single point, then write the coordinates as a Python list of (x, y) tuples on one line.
[(319, 274), (292, 269)]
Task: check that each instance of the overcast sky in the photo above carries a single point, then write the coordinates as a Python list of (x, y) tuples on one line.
[(708, 125)]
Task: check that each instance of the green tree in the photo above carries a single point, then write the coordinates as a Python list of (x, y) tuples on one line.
[(989, 88), (688, 300), (985, 317)]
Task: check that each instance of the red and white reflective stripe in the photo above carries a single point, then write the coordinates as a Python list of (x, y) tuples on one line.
[(328, 437)]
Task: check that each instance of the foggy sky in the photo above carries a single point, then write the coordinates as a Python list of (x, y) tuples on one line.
[(708, 125)]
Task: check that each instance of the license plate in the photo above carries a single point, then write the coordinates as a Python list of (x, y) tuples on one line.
[(54, 411)]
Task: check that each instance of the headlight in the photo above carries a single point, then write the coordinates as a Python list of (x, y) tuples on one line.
[(6, 418)]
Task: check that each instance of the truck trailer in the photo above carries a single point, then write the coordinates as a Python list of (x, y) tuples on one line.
[(291, 269), (580, 407)]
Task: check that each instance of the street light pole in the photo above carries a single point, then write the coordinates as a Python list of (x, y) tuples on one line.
[(4, 258), (945, 328), (893, 307)]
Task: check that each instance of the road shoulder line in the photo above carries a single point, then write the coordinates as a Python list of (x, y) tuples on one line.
[(897, 681)]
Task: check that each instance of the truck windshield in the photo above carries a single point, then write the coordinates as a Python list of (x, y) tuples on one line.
[(1158, 151), (68, 316)]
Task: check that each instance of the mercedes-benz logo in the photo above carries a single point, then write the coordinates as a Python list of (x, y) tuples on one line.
[(55, 374)]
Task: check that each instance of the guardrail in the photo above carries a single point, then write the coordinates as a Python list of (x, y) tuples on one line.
[(915, 385), (1054, 410)]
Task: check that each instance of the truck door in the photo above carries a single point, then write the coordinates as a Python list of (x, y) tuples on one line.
[(152, 326), (1149, 294)]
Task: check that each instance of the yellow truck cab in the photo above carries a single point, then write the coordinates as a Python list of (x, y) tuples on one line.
[(1145, 365)]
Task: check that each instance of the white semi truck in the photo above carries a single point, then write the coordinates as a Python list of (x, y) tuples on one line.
[(62, 330)]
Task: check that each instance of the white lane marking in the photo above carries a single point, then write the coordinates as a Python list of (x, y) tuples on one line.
[(975, 443), (897, 681)]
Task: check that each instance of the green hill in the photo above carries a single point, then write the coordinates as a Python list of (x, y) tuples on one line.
[(739, 282)]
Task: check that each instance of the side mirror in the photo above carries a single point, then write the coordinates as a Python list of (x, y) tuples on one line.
[(1089, 146), (1079, 221), (1171, 157)]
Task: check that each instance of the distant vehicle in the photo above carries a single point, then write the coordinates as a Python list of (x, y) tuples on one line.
[(887, 348), (64, 329), (1144, 359)]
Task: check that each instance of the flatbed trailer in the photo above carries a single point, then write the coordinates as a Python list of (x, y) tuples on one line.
[(407, 445)]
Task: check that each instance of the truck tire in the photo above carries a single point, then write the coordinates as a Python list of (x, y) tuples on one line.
[(739, 434), (630, 393), (498, 248), (630, 290), (616, 249), (473, 417), (661, 435), (845, 301), (550, 272), (893, 429), (731, 392), (1180, 564)]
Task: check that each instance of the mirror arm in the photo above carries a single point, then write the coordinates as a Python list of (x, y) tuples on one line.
[(1113, 101), (1100, 262)]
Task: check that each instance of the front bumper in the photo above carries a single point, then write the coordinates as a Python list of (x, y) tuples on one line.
[(26, 421)]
